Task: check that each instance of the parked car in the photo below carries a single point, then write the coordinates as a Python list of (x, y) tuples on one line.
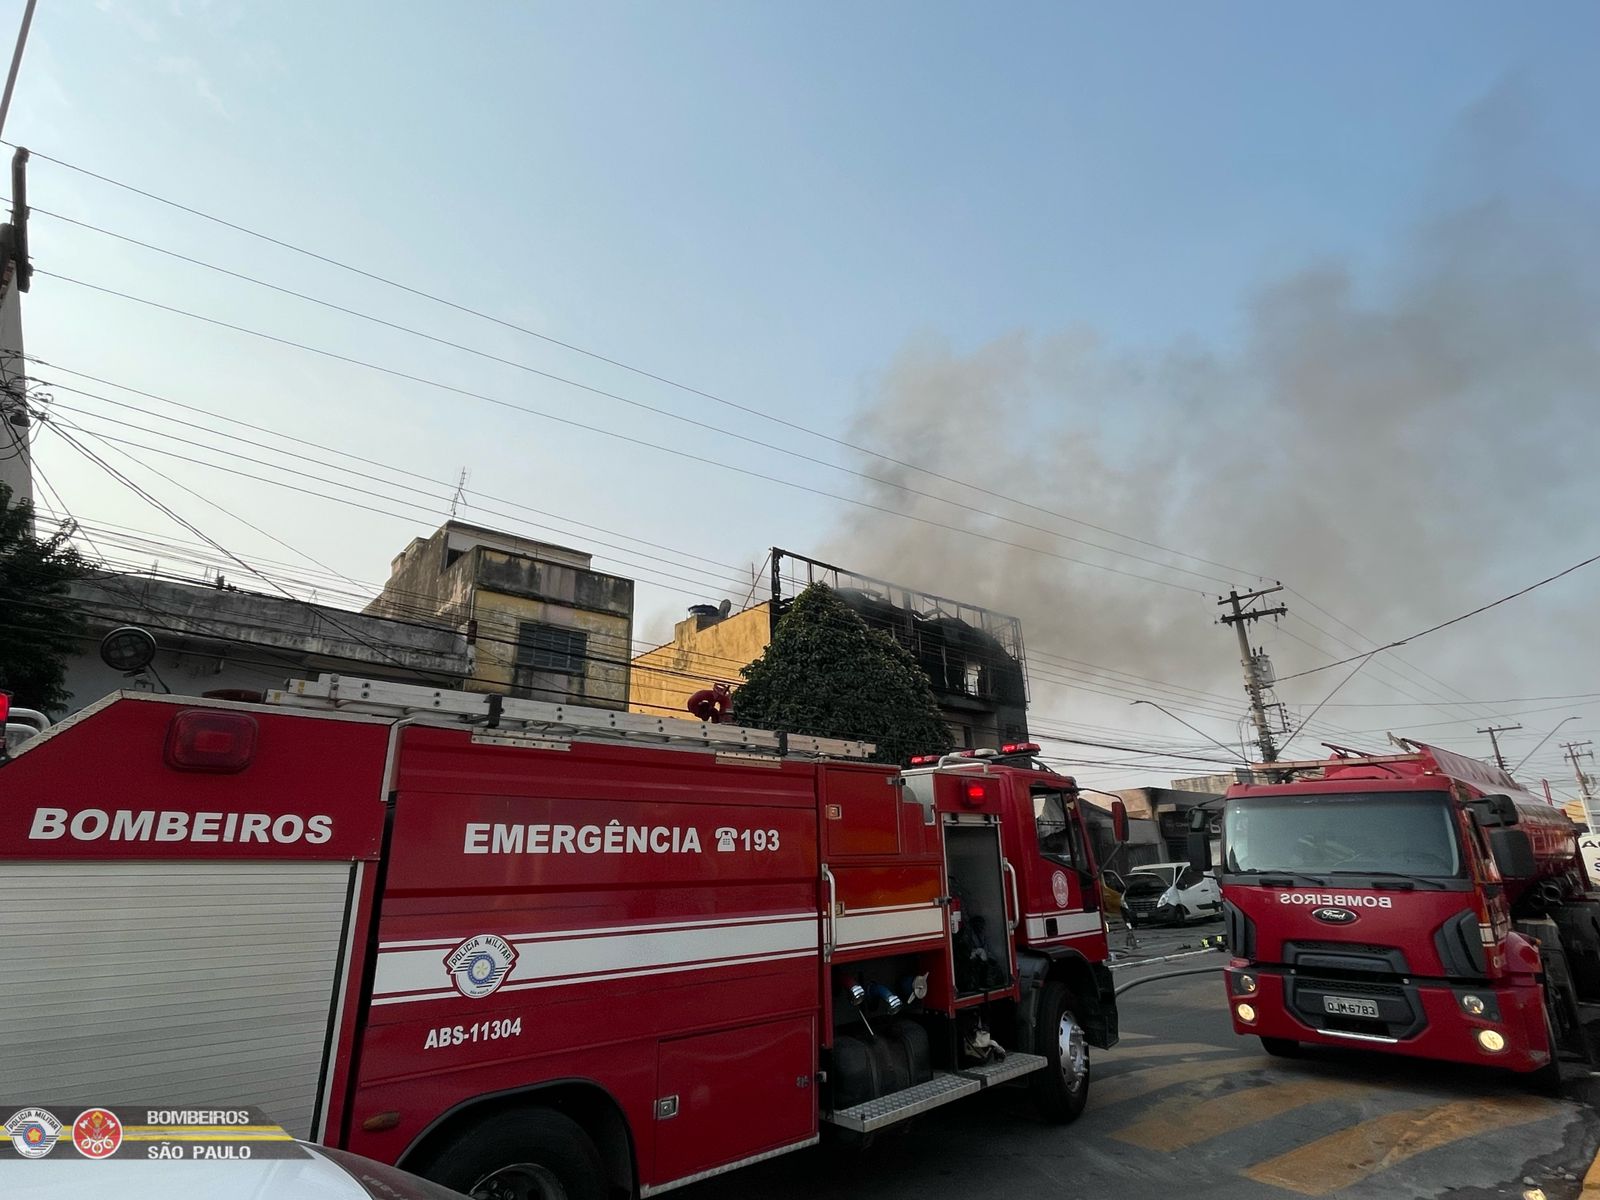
[(1169, 894)]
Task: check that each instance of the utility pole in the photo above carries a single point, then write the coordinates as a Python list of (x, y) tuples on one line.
[(1576, 751), (1240, 615), (1495, 741), (16, 467), (16, 423)]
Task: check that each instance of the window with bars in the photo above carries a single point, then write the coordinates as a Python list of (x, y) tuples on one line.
[(553, 648)]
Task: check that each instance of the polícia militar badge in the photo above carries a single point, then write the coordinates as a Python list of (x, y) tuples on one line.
[(33, 1131), (479, 965)]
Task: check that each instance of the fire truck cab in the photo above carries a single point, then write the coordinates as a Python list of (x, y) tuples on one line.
[(533, 950), (1418, 903)]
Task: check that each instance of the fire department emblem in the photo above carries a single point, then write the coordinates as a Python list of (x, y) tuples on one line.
[(33, 1131), (480, 965), (1058, 889), (97, 1133)]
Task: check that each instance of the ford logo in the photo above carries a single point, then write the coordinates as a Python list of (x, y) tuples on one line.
[(1334, 916)]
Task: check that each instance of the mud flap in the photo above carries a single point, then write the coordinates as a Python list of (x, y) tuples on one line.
[(1100, 1011)]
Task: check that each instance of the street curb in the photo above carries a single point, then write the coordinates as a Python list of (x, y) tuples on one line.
[(1591, 1180)]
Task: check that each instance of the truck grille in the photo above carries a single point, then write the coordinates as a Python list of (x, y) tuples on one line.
[(1399, 1006)]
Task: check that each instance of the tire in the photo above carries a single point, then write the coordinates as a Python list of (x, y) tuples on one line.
[(1281, 1047), (1062, 1089), (521, 1154)]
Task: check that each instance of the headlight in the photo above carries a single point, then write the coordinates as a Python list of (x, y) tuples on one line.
[(1247, 984), (1491, 1040), (1247, 1014), (1472, 1005)]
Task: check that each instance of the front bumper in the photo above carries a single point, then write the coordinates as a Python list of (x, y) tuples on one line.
[(1424, 1020), (1146, 913)]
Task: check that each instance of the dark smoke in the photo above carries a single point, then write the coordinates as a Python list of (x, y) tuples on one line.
[(1398, 441)]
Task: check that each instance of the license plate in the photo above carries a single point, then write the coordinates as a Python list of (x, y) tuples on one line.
[(1344, 1006)]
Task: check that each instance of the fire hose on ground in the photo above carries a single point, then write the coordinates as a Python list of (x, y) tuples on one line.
[(1164, 975)]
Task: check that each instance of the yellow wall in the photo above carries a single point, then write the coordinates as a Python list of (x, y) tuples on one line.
[(605, 675), (664, 678)]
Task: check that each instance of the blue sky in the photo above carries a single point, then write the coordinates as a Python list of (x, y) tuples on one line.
[(769, 202)]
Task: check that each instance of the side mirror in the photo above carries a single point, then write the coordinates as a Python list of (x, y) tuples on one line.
[(1495, 810), (1119, 820), (1200, 849), (1513, 853)]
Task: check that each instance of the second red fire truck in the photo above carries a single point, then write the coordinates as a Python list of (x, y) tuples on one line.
[(529, 950), (1418, 903)]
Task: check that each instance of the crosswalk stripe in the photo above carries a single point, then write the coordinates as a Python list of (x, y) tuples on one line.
[(1152, 1079), (1180, 1122), (1136, 1037), (1352, 1154), (1167, 1049)]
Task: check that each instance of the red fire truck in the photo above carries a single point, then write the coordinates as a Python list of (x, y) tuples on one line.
[(1419, 903), (532, 950)]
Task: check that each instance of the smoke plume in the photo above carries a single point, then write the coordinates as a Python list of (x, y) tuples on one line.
[(1398, 440)]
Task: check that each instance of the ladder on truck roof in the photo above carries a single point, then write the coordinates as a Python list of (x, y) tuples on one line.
[(513, 721)]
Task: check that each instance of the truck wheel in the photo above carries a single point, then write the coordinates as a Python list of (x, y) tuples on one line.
[(1281, 1047), (1061, 1089), (523, 1154)]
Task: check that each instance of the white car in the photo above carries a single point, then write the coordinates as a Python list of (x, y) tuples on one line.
[(1169, 893)]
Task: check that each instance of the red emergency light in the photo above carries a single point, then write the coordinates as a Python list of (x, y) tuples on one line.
[(1020, 748), (973, 794), (922, 760), (207, 740)]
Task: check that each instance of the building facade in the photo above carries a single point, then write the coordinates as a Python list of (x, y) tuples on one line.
[(223, 639), (973, 657), (707, 647), (540, 622)]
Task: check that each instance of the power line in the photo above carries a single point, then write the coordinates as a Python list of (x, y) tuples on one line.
[(1482, 608), (1048, 676), (620, 398), (587, 353), (642, 373), (151, 500), (648, 445)]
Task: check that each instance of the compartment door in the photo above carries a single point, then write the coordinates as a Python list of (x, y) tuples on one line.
[(733, 1095), (191, 983)]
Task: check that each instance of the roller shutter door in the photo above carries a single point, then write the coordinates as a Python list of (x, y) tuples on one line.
[(199, 984)]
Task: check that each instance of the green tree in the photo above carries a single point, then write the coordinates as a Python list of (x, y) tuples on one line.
[(39, 623), (827, 674)]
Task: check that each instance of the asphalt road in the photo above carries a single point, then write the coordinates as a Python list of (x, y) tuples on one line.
[(1184, 1108)]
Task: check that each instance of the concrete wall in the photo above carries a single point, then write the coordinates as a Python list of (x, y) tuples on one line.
[(492, 586), (702, 651), (224, 638)]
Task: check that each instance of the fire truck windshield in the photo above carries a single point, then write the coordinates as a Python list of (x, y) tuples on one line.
[(1378, 834)]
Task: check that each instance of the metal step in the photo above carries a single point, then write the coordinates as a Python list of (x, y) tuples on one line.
[(1009, 1067), (941, 1089), (900, 1106)]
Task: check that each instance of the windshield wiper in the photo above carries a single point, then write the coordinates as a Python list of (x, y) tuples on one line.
[(1401, 879), (1278, 878)]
